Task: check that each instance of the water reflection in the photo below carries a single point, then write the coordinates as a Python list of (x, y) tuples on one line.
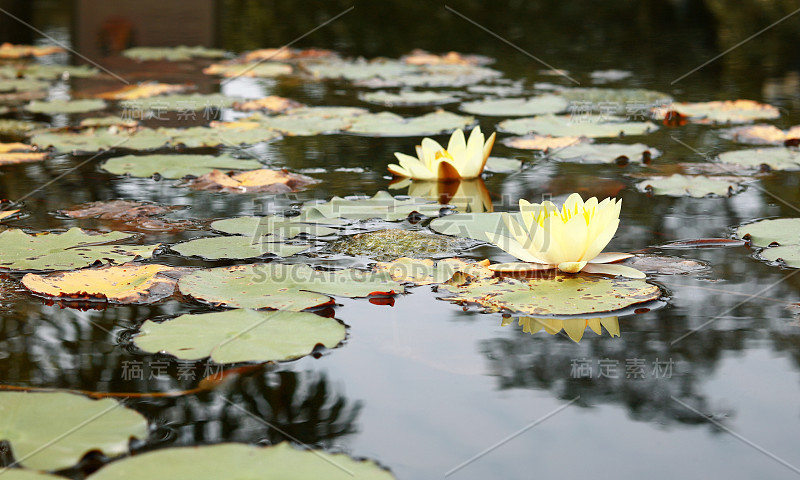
[(573, 327), (466, 195)]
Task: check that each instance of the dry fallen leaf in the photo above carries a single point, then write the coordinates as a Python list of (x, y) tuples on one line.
[(8, 50), (272, 104), (421, 57), (544, 142), (261, 181), (11, 153), (142, 90), (285, 54), (117, 210)]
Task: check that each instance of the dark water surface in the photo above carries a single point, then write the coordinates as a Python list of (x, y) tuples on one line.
[(423, 386)]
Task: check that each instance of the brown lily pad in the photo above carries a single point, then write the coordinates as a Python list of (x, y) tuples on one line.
[(422, 57), (544, 142), (117, 210), (254, 181), (142, 90), (8, 50), (13, 153), (272, 104)]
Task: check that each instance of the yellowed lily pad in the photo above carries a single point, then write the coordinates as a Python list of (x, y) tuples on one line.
[(272, 104), (13, 153), (249, 70), (9, 50), (736, 111), (254, 181), (241, 335), (544, 143), (123, 284), (142, 90), (172, 54)]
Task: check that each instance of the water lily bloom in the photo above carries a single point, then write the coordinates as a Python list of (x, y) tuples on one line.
[(570, 239), (461, 160)]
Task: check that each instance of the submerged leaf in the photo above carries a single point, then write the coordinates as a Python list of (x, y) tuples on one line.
[(117, 210), (427, 271), (665, 265)]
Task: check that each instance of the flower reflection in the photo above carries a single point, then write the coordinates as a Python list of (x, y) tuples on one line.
[(469, 196), (573, 327)]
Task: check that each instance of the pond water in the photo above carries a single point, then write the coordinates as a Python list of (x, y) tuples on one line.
[(705, 386)]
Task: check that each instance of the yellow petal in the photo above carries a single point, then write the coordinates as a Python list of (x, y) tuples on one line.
[(571, 267), (611, 324), (594, 324), (601, 240), (575, 328), (610, 257), (512, 247)]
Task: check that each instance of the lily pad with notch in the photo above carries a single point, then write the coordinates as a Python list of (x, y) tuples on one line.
[(566, 126), (175, 165)]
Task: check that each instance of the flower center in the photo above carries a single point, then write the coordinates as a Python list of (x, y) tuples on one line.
[(443, 154)]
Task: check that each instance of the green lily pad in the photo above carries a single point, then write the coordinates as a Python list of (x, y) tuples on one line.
[(777, 158), (502, 165), (359, 70), (678, 185), (473, 225), (789, 255), (54, 430), (566, 126), (240, 335), (516, 107), (52, 107), (254, 69), (202, 137), (17, 128), (383, 245), (386, 124), (234, 461), (52, 72), (22, 85), (21, 474), (381, 205), (236, 247), (306, 125), (738, 111), (781, 231), (430, 76), (172, 54), (102, 139), (179, 103), (279, 227), (72, 249), (109, 121), (606, 153), (175, 166), (558, 295), (408, 98), (282, 287), (616, 101)]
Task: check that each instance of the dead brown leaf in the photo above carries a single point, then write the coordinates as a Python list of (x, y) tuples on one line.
[(422, 57), (8, 50), (12, 153), (544, 142), (142, 90), (253, 181), (117, 210), (272, 104)]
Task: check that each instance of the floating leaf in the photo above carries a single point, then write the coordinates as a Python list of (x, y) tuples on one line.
[(635, 102), (234, 461), (51, 71), (8, 215), (235, 247), (282, 287), (427, 271), (359, 70), (22, 84), (241, 335), (9, 50), (117, 210), (13, 153), (72, 249), (430, 76), (142, 90), (284, 53), (272, 104), (394, 243), (230, 134), (179, 103), (556, 295), (612, 75), (421, 57), (102, 139), (606, 153), (16, 128), (280, 227), (249, 70), (472, 225), (761, 134), (544, 142), (123, 284), (254, 181), (516, 107), (52, 107), (738, 111), (566, 126), (68, 425), (109, 121), (573, 327), (382, 205), (665, 265), (175, 166), (408, 98), (788, 255), (172, 54), (764, 233), (311, 120), (777, 158), (692, 185), (502, 165), (386, 124)]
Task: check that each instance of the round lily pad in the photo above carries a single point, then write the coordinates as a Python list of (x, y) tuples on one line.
[(51, 107), (678, 185), (235, 461), (359, 69), (408, 98), (516, 107), (278, 227), (236, 246), (619, 101), (54, 430), (789, 255), (175, 166), (240, 335), (557, 295), (282, 287), (737, 111), (606, 153), (222, 134), (249, 70), (566, 126), (761, 134), (102, 139), (72, 249), (172, 54), (381, 205), (502, 165), (179, 103), (777, 158), (764, 233), (386, 124), (306, 124)]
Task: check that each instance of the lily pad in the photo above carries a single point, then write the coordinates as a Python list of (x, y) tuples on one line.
[(606, 153), (22, 85), (556, 295), (737, 111), (262, 180), (178, 103), (692, 185), (612, 75), (282, 287), (92, 140), (544, 142), (431, 76), (234, 461), (382, 205), (54, 430), (427, 271), (516, 107), (762, 134), (13, 153), (225, 134), (122, 284), (788, 255), (172, 54), (175, 166), (9, 50), (53, 72), (17, 128), (502, 165), (52, 107), (666, 265), (390, 244), (117, 210), (241, 335), (108, 121), (472, 225), (278, 227), (408, 98), (249, 70), (777, 158), (386, 124), (616, 101), (307, 122), (72, 249), (764, 233), (566, 126), (272, 104), (422, 57), (235, 247), (142, 90), (359, 70)]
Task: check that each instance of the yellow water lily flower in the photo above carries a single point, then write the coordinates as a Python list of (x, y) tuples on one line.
[(461, 160), (570, 239), (573, 327)]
